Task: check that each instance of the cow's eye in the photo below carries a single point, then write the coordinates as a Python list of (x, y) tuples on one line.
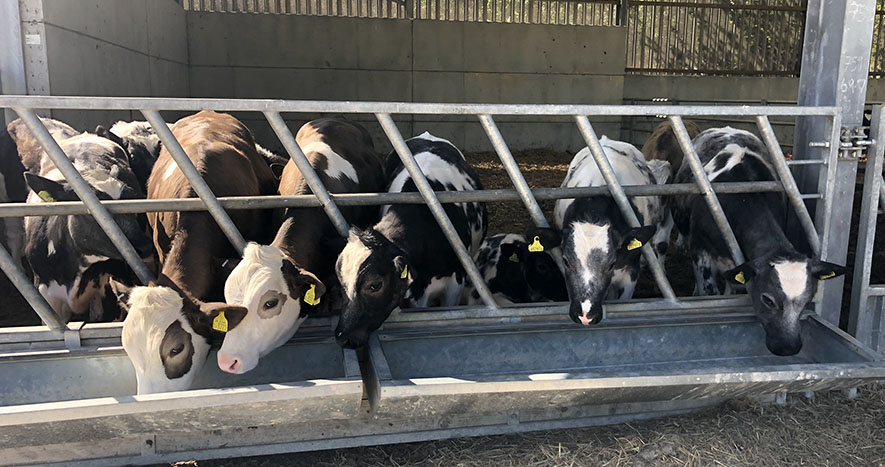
[(768, 301), (271, 304), (375, 286), (177, 350)]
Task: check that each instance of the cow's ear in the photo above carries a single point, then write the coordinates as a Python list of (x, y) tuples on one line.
[(222, 317), (542, 238), (277, 170), (636, 237), (49, 190), (513, 252), (401, 267), (302, 284), (743, 273), (824, 270), (105, 133), (121, 291)]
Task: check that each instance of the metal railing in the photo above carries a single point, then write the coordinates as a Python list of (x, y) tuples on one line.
[(868, 300), (383, 112)]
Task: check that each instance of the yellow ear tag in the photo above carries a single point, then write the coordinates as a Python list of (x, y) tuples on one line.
[(405, 273), (220, 322), (827, 275), (514, 258), (634, 244), (740, 277), (536, 246), (45, 196), (310, 297)]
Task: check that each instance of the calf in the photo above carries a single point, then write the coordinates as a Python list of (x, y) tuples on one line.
[(663, 145), (141, 143), (514, 274), (406, 254), (29, 148), (600, 251), (783, 280), (69, 254), (223, 151), (271, 281)]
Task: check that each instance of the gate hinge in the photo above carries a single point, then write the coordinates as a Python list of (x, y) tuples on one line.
[(853, 141)]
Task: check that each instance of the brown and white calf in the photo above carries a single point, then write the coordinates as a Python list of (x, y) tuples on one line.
[(223, 151), (271, 281)]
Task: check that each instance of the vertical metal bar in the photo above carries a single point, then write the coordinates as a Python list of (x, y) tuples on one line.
[(12, 60), (193, 177), (307, 171), (522, 187), (617, 192), (862, 315), (790, 187), (85, 193), (423, 186), (27, 289), (832, 127), (697, 169), (622, 12)]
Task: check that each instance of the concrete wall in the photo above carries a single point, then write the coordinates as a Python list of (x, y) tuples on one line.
[(292, 57), (109, 48)]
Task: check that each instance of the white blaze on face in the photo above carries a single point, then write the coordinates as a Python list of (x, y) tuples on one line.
[(586, 305), (151, 311), (587, 239), (793, 276), (257, 283), (351, 258)]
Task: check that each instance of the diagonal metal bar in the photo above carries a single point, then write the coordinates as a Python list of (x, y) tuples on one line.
[(436, 208), (522, 187), (790, 187), (697, 169), (862, 315), (27, 289), (307, 171), (193, 176), (85, 193), (617, 192)]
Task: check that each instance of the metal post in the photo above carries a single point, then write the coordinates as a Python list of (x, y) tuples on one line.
[(522, 187), (12, 61), (193, 176), (84, 191), (623, 203), (307, 171), (790, 188), (27, 289), (703, 182), (835, 67), (863, 314), (423, 186)]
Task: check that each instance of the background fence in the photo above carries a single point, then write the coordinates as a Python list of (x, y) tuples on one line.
[(712, 37)]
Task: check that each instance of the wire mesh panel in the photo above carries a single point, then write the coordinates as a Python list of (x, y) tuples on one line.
[(877, 54)]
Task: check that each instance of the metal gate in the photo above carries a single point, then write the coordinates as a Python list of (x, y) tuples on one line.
[(650, 356)]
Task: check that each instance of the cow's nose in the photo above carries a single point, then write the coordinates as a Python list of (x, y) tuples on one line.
[(585, 320), (229, 364)]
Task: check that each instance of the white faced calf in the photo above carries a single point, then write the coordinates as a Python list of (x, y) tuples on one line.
[(600, 251), (782, 279)]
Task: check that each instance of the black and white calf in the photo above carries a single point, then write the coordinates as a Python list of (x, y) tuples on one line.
[(69, 255), (600, 251), (141, 143), (514, 274), (406, 254), (782, 280)]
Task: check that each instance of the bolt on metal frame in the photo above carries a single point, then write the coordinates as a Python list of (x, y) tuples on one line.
[(868, 300), (382, 110)]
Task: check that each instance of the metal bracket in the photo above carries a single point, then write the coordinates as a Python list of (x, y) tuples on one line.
[(72, 335), (853, 141), (149, 445)]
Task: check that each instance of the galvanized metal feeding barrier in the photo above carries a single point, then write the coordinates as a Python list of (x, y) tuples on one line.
[(66, 390)]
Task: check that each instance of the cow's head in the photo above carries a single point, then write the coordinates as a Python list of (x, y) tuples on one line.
[(590, 254), (140, 141), (166, 334), (276, 294), (374, 274), (87, 235), (781, 285), (542, 272)]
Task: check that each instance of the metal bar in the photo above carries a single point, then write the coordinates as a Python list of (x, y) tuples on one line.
[(703, 182), (806, 162), (85, 193), (354, 107), (876, 291), (790, 187), (717, 6), (522, 187), (623, 203), (369, 199), (193, 177), (862, 316), (307, 171), (423, 186), (28, 291)]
